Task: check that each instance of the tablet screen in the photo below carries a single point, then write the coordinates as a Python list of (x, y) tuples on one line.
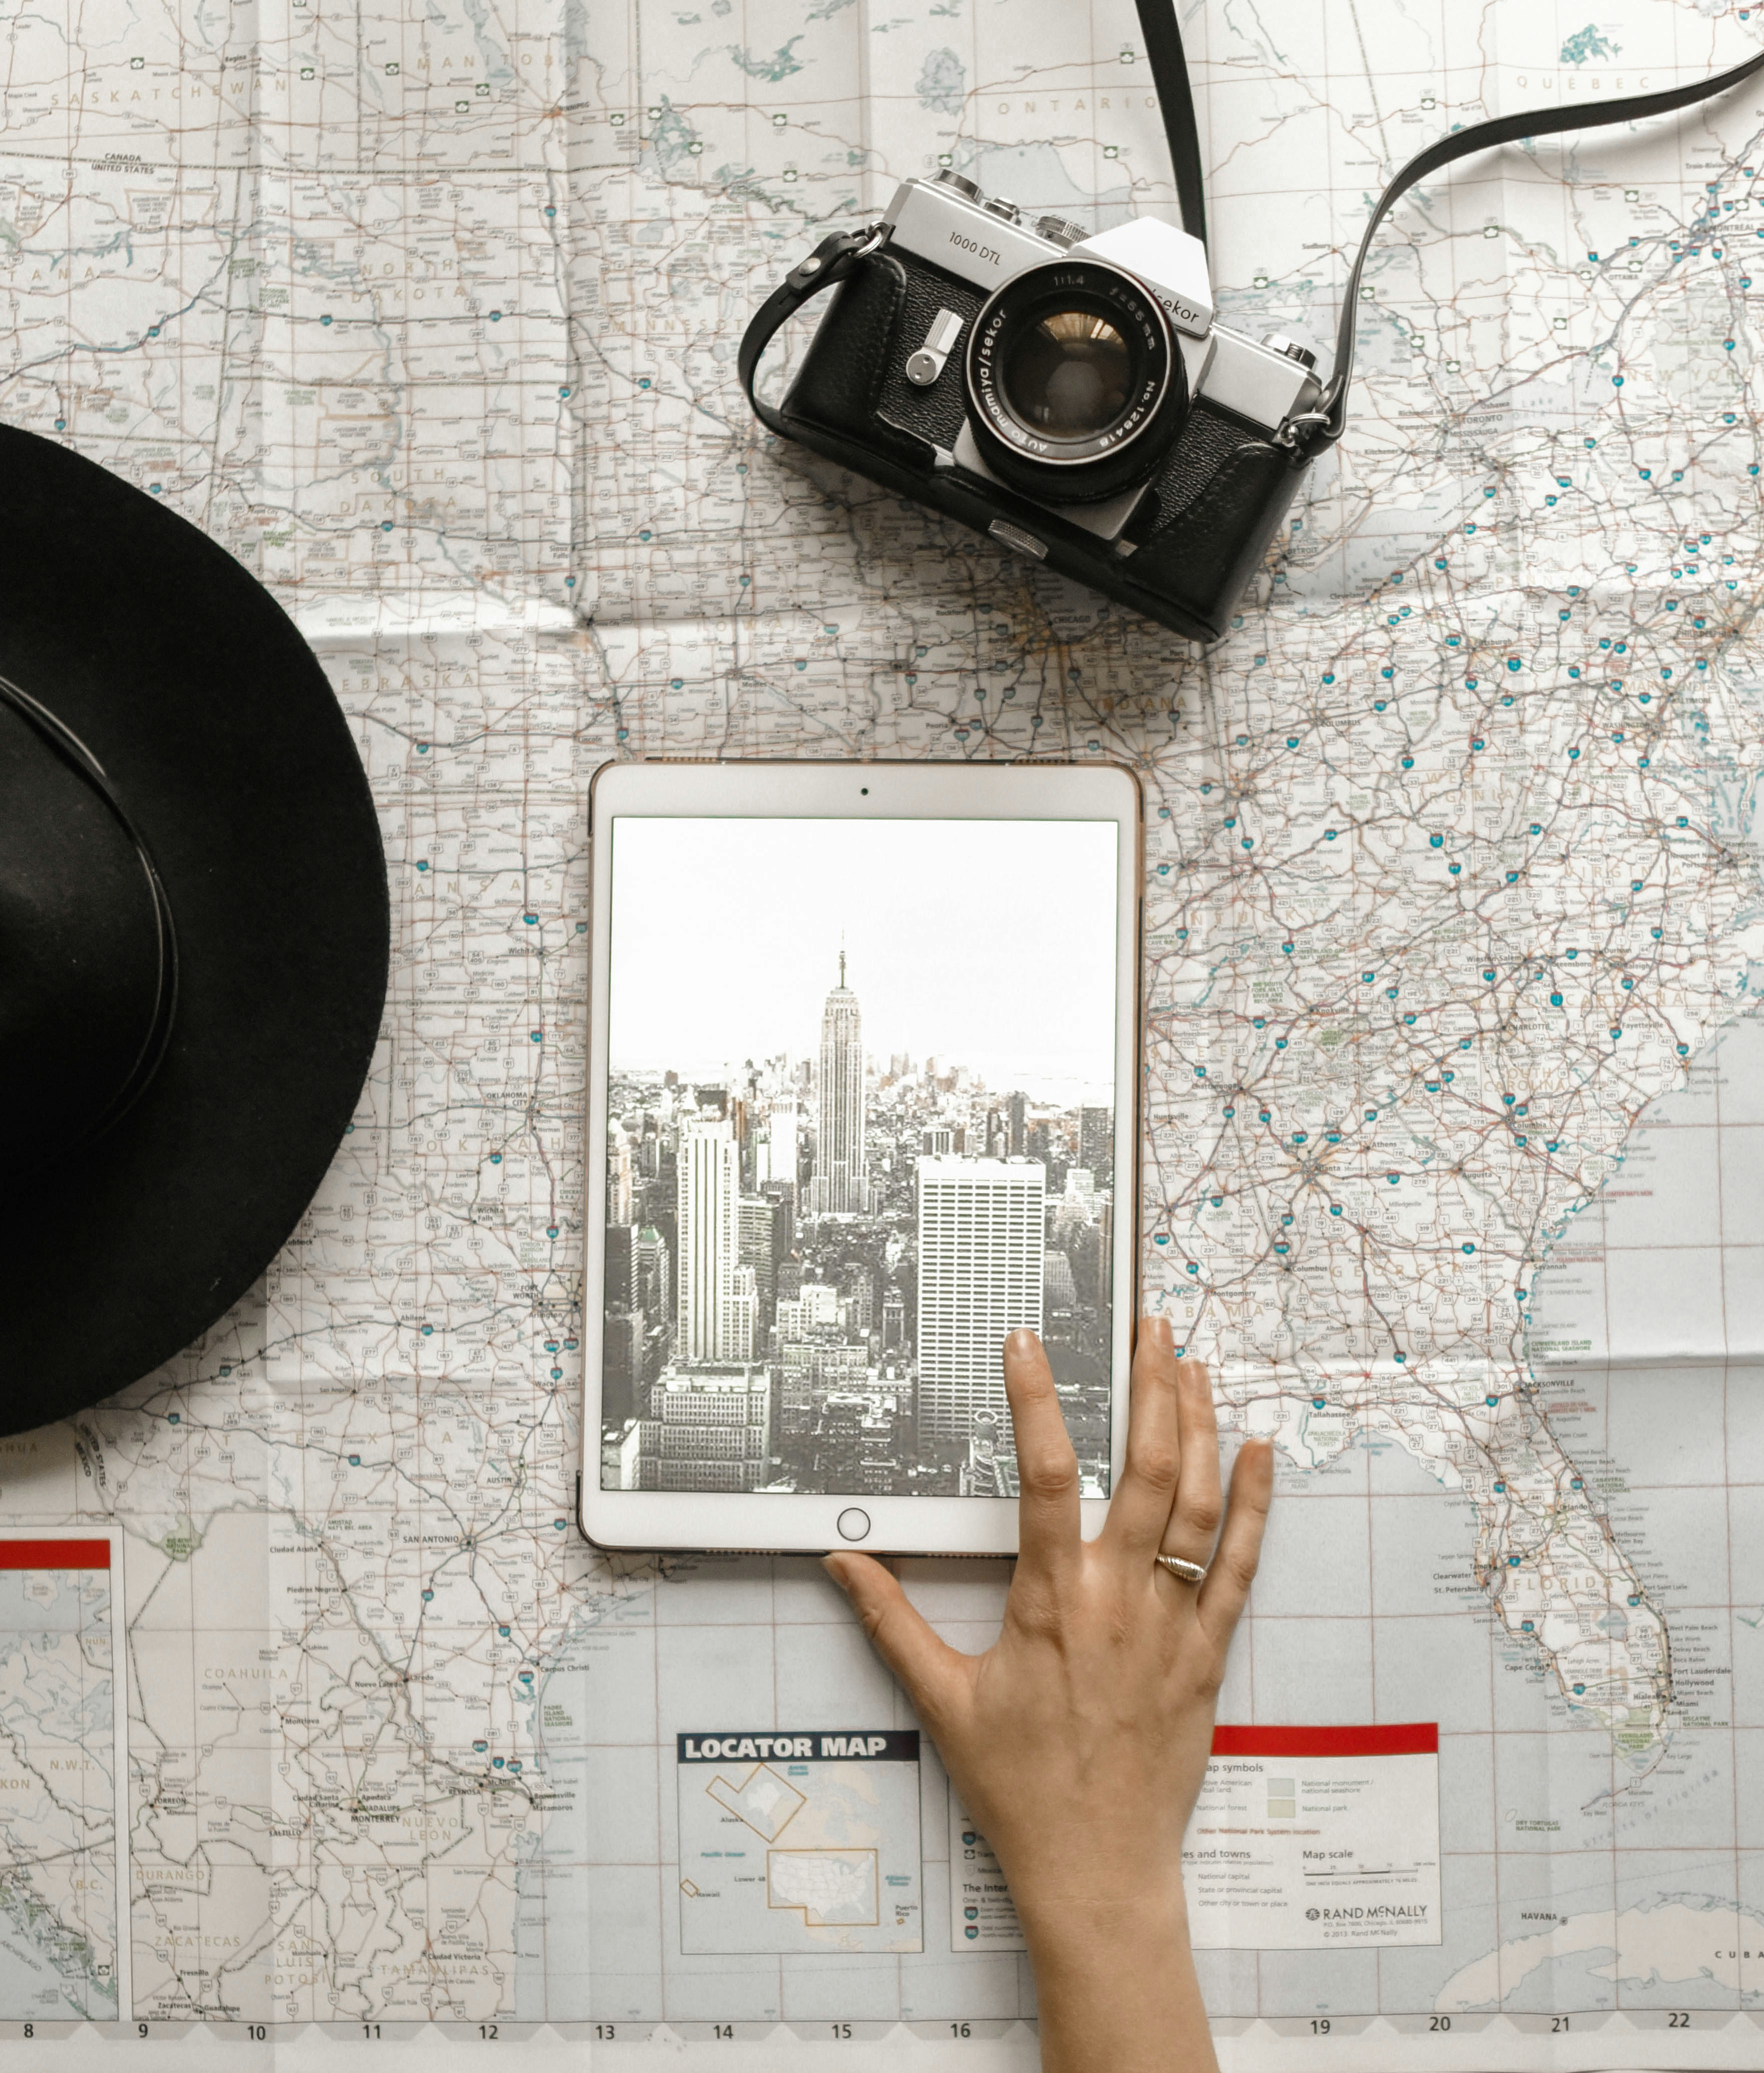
[(861, 1112)]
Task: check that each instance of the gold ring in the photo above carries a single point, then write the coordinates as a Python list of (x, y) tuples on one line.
[(1190, 1572)]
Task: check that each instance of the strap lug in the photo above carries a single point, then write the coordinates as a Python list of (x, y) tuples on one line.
[(805, 275)]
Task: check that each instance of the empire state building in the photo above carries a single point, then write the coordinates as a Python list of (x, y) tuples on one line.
[(840, 1184)]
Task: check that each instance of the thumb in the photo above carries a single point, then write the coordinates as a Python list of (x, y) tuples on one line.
[(928, 1668)]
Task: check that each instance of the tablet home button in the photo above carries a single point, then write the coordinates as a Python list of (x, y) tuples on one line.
[(854, 1524)]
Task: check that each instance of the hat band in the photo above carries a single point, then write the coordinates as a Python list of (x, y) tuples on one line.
[(73, 752)]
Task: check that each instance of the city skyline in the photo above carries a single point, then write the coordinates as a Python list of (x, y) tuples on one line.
[(813, 1266), (725, 932), (808, 1344)]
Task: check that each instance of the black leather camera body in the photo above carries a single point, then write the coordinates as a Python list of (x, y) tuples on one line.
[(1071, 396)]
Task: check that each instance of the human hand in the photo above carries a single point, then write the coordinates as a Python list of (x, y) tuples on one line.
[(1079, 1740)]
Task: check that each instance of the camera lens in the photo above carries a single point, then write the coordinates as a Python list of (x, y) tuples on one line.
[(1071, 372), (1076, 388)]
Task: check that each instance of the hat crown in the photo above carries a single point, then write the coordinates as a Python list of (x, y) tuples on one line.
[(79, 954)]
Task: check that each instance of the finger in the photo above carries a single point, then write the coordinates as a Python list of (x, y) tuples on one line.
[(1195, 1520), (1047, 1509), (925, 1665), (1228, 1580), (1140, 1509)]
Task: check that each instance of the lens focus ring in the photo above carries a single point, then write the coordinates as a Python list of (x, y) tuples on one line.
[(1076, 387)]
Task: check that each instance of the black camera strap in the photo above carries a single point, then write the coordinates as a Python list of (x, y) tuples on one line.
[(1163, 35), (829, 263), (1324, 425), (1331, 406), (836, 256)]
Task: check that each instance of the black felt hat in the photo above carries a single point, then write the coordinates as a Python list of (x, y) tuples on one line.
[(193, 931)]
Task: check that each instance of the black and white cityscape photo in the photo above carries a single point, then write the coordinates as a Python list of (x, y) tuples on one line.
[(860, 1125)]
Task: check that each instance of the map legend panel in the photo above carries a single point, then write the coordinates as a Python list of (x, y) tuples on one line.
[(982, 1915), (1310, 1839), (1302, 1839), (61, 1773), (798, 1841)]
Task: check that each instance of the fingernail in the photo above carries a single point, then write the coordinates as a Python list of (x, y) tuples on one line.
[(1161, 1334), (1021, 1341)]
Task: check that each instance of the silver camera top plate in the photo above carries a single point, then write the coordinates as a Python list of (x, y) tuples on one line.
[(937, 223)]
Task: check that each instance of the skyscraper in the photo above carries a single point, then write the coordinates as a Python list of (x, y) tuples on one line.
[(761, 1226), (621, 1267), (741, 1327), (841, 1182), (1080, 1238), (1096, 1145), (623, 1330), (1059, 1291), (710, 1321), (893, 1321), (981, 1258), (651, 1278), (621, 1367), (619, 1177), (775, 1155)]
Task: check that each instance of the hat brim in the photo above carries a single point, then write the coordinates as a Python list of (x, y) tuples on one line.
[(220, 732)]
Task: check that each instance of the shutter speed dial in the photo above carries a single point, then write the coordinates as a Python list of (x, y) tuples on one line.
[(1277, 342)]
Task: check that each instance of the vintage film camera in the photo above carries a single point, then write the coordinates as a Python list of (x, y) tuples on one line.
[(1071, 395)]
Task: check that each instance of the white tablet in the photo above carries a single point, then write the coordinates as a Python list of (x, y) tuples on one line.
[(862, 1077)]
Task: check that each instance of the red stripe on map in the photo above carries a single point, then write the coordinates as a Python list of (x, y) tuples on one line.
[(55, 1554), (1407, 1738)]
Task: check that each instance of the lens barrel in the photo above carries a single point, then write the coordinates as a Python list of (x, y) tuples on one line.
[(1076, 387)]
